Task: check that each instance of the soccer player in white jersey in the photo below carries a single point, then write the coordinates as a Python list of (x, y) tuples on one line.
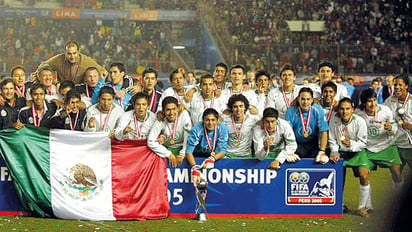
[(136, 123), (239, 125), (262, 89), (219, 74), (381, 129), (281, 98), (205, 98), (274, 139), (177, 90), (401, 106), (237, 75), (327, 101), (326, 70), (174, 129), (347, 139), (104, 115)]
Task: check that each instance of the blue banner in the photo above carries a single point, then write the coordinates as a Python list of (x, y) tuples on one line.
[(9, 203), (240, 187), (245, 187)]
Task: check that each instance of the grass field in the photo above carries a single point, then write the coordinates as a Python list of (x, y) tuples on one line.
[(378, 221)]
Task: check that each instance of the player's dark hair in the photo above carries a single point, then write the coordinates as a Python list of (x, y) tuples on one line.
[(330, 84), (169, 100), (149, 70), (260, 73), (36, 86), (270, 112), (327, 64), (172, 74), (365, 96), (236, 98), (210, 111), (287, 67), (106, 89), (140, 95)]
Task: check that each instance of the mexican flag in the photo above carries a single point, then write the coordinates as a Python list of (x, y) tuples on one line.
[(87, 176)]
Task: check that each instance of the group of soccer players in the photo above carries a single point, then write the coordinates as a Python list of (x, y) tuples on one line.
[(218, 118)]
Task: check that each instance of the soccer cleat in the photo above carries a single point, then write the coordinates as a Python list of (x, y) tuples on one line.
[(363, 212)]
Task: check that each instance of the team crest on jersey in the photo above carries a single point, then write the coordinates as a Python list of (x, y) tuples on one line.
[(81, 182), (310, 186), (3, 113), (30, 119)]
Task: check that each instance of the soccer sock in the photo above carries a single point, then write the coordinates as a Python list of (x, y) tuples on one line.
[(369, 202), (364, 193)]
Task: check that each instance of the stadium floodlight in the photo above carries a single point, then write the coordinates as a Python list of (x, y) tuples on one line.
[(179, 47)]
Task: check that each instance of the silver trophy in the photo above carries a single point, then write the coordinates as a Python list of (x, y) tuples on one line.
[(201, 193), (401, 113)]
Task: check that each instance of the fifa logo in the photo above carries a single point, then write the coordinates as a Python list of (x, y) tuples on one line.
[(299, 183)]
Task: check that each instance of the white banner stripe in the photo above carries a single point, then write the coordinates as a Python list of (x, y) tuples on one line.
[(80, 175)]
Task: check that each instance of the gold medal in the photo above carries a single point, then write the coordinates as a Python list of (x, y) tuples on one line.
[(342, 138), (238, 143), (172, 141), (212, 153), (400, 122), (305, 135)]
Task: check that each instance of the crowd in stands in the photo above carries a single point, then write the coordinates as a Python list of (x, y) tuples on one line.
[(30, 41), (371, 35)]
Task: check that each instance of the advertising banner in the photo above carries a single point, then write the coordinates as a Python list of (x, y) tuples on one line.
[(240, 188), (245, 187)]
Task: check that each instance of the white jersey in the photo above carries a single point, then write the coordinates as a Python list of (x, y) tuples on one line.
[(170, 92), (401, 139), (140, 128), (261, 103), (240, 142), (166, 129), (284, 141), (249, 94), (340, 93), (379, 138), (102, 122), (276, 99), (330, 112), (355, 131), (199, 104)]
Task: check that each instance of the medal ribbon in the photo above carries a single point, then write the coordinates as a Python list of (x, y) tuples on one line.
[(138, 128), (21, 91), (87, 91), (405, 100), (106, 120), (305, 125), (329, 115), (119, 100), (240, 129), (287, 101), (36, 118), (153, 100), (211, 101), (375, 116), (177, 96), (49, 90), (172, 133), (75, 121), (209, 140), (343, 130)]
